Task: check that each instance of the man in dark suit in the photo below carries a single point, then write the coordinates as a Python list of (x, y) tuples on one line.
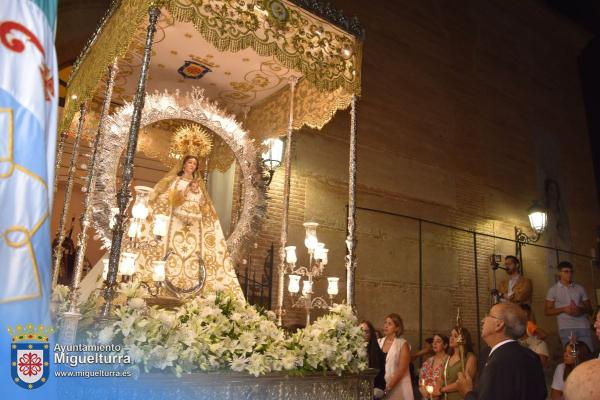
[(512, 372)]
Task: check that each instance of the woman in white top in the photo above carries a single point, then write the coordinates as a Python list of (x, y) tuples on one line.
[(564, 369), (397, 351)]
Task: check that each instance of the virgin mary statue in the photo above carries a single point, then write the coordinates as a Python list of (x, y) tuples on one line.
[(194, 236)]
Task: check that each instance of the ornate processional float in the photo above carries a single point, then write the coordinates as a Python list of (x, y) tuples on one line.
[(219, 80)]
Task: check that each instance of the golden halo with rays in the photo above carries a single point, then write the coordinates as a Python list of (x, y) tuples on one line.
[(190, 139)]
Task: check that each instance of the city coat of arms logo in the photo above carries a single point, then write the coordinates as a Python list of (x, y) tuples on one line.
[(30, 355), (193, 70)]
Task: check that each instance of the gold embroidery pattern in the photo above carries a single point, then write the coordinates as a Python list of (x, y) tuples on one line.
[(194, 232), (118, 31), (18, 237), (159, 107), (312, 108), (269, 75), (325, 55), (190, 139), (154, 142)]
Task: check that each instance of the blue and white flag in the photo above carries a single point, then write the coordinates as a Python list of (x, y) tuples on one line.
[(28, 112)]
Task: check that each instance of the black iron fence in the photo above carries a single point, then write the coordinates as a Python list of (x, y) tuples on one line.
[(257, 287)]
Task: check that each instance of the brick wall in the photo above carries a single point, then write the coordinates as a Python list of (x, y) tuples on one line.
[(466, 110)]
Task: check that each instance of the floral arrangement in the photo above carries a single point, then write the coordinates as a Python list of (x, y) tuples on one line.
[(220, 332)]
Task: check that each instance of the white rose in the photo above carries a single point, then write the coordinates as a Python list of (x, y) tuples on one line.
[(236, 316), (167, 320), (137, 303), (127, 324), (239, 363), (247, 340), (105, 336), (289, 361)]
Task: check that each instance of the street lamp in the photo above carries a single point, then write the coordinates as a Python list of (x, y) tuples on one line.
[(538, 219), (271, 157)]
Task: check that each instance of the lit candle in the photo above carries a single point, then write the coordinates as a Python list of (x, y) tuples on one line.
[(139, 210), (429, 389), (318, 254), (306, 287), (294, 284), (290, 255), (324, 259), (158, 274), (127, 265), (332, 286), (310, 240), (134, 227), (161, 224), (105, 261), (113, 217)]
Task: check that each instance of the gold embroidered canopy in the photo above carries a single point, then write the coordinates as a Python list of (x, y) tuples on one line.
[(241, 52)]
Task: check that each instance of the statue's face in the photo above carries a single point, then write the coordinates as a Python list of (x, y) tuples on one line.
[(190, 166)]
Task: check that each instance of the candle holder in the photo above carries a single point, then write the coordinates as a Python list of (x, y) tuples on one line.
[(573, 344), (429, 390), (140, 240), (127, 272), (317, 255)]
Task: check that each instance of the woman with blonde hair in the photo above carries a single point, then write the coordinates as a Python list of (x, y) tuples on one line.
[(397, 350)]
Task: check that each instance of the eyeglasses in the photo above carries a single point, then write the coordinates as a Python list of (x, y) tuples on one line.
[(491, 316)]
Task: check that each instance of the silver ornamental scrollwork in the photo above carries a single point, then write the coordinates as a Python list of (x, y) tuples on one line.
[(192, 106)]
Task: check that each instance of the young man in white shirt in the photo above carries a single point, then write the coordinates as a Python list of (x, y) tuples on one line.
[(570, 303)]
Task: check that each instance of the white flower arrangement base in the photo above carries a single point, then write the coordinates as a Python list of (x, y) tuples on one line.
[(218, 347), (231, 386)]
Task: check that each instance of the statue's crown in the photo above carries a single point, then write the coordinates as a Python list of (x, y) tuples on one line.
[(30, 332)]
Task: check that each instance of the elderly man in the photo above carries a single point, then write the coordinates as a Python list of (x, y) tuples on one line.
[(511, 371), (582, 383)]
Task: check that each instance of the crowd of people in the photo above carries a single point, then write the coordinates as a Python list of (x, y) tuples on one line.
[(512, 365)]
